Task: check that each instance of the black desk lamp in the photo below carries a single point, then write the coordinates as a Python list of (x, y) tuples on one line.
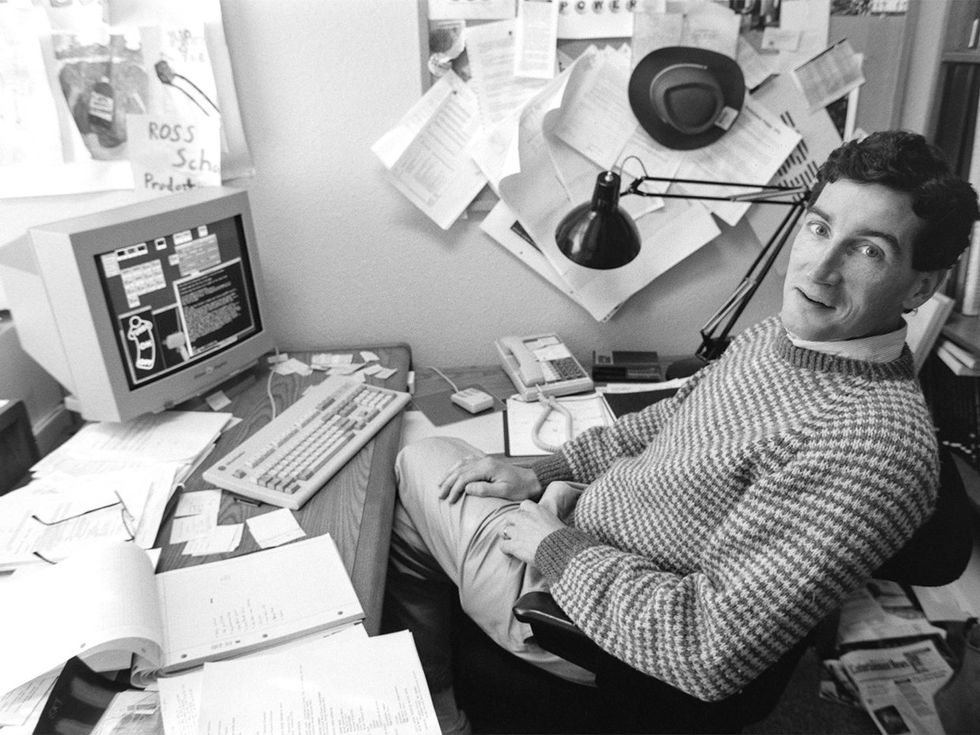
[(600, 234)]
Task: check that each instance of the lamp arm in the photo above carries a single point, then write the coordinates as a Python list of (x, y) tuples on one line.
[(713, 345), (759, 193)]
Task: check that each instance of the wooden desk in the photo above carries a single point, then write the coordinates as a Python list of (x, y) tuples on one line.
[(355, 507), (492, 377)]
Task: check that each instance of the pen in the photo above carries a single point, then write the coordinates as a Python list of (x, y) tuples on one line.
[(245, 501)]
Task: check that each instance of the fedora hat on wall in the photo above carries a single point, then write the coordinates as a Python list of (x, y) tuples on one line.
[(686, 97)]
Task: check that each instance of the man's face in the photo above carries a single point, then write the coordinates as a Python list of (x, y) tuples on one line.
[(850, 270)]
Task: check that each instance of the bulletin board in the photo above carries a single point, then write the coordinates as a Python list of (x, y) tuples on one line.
[(803, 85)]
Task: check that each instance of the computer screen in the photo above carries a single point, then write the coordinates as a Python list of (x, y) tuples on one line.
[(140, 308)]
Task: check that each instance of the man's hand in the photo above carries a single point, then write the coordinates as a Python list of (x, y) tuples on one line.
[(526, 528), (489, 477)]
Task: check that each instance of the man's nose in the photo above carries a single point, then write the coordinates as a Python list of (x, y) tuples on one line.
[(826, 266)]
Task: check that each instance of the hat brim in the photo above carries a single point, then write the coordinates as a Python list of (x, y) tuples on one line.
[(724, 68)]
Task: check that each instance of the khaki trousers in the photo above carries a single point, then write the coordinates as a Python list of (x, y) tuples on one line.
[(439, 550)]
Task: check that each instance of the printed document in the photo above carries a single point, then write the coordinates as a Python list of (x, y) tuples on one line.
[(368, 686), (427, 156)]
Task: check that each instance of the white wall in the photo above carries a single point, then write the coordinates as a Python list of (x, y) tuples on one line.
[(347, 259)]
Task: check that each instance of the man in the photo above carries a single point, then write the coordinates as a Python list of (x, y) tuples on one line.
[(701, 538)]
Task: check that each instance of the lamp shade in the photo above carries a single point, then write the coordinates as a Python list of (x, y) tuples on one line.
[(599, 234)]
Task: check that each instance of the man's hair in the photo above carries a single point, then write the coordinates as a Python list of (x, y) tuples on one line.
[(905, 162)]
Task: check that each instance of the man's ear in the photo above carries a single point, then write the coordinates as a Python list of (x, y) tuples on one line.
[(925, 285)]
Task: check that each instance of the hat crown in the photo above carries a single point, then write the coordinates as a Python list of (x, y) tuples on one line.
[(687, 97)]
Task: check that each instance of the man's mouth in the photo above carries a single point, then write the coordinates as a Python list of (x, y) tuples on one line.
[(813, 301)]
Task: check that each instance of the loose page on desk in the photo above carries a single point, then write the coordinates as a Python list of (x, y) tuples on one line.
[(168, 436), (374, 685), (587, 411), (180, 694), (99, 601)]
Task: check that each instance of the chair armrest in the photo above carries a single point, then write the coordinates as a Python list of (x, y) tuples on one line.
[(939, 551), (540, 608), (555, 632)]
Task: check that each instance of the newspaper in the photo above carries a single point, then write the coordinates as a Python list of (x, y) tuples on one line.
[(897, 685)]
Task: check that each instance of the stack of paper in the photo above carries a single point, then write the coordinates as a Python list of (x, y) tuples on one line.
[(110, 481), (342, 683)]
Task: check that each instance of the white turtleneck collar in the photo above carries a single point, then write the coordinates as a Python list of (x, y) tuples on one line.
[(878, 348)]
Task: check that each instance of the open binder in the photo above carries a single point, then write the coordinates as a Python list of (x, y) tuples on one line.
[(107, 605)]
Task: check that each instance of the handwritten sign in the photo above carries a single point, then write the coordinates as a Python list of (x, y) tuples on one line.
[(171, 154)]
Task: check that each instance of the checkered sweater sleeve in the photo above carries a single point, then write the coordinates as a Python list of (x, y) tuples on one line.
[(597, 447), (702, 572)]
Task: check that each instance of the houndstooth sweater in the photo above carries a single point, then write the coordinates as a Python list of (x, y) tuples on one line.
[(722, 524)]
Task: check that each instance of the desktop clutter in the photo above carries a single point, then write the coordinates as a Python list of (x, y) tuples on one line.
[(208, 644), (149, 313)]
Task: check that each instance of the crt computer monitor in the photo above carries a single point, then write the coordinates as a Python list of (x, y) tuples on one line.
[(140, 308)]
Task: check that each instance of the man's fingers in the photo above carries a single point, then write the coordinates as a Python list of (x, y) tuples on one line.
[(454, 471), (479, 488)]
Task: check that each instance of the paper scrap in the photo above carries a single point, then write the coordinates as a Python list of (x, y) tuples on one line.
[(218, 400), (199, 502), (274, 528), (331, 358), (369, 356), (220, 540), (292, 366), (189, 528), (385, 373)]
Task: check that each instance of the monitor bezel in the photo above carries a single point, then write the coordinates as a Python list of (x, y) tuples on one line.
[(92, 235)]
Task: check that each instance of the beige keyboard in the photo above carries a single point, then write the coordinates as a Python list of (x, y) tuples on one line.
[(286, 461)]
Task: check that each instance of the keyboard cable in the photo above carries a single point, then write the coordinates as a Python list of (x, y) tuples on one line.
[(268, 384)]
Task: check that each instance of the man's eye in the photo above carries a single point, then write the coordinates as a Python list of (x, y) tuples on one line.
[(870, 250), (818, 228)]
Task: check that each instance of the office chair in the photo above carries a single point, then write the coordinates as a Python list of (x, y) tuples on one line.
[(501, 693)]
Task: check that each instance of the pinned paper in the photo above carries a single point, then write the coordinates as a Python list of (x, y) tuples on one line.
[(830, 75), (536, 39), (427, 156), (170, 154)]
